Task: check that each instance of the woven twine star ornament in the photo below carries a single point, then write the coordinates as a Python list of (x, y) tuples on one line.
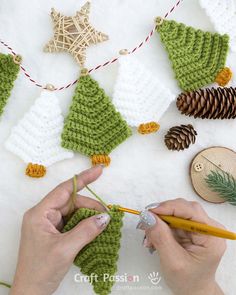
[(74, 34)]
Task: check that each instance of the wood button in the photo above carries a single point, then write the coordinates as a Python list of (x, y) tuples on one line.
[(17, 59), (198, 167)]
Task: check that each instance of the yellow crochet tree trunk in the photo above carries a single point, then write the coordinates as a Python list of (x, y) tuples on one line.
[(35, 170), (147, 128), (93, 127), (99, 258)]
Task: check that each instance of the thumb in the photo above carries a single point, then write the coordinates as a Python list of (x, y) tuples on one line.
[(86, 231), (162, 238)]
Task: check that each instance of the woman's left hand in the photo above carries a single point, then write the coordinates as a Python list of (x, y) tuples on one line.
[(45, 254)]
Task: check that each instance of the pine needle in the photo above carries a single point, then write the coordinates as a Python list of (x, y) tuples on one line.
[(224, 184)]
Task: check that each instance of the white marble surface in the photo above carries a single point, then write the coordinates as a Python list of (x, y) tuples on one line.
[(142, 169)]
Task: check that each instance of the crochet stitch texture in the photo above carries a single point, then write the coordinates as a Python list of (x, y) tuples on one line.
[(93, 126), (138, 95), (8, 74), (223, 17), (197, 57), (101, 255), (36, 138)]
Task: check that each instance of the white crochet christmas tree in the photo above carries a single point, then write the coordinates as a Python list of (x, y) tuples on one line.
[(139, 96), (223, 15), (36, 138)]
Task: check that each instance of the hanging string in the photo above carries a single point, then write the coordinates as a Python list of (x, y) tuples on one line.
[(109, 62)]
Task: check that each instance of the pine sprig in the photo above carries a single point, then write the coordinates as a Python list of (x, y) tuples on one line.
[(224, 184)]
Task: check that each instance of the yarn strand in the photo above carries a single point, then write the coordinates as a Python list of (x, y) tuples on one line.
[(72, 200), (97, 197), (5, 284), (74, 188)]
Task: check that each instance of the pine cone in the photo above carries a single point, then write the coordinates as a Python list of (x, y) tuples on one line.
[(180, 137), (214, 103)]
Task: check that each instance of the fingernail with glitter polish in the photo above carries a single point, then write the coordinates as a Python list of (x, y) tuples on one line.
[(152, 206), (147, 218), (140, 225), (102, 220)]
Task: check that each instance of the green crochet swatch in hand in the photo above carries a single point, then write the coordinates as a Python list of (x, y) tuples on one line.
[(101, 255), (198, 58), (8, 74), (93, 127)]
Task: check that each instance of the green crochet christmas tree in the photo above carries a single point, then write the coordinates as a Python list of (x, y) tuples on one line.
[(198, 58), (9, 68), (101, 255), (93, 127)]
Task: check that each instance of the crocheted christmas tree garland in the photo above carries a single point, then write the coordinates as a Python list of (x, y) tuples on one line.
[(100, 256), (93, 127), (198, 58), (139, 96), (9, 68), (36, 138)]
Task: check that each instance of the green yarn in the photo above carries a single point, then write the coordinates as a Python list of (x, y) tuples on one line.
[(101, 255), (8, 74), (5, 285), (96, 196), (93, 126), (197, 56)]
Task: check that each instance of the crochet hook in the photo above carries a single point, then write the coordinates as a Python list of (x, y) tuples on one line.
[(188, 225)]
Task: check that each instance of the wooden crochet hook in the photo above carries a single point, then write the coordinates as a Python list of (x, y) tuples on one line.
[(188, 225)]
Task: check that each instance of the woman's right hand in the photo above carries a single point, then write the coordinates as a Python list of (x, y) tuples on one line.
[(188, 260)]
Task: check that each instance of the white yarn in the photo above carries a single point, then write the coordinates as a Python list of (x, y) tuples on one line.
[(36, 138), (223, 16), (138, 95)]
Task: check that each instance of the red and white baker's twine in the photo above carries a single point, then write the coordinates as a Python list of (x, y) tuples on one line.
[(111, 61)]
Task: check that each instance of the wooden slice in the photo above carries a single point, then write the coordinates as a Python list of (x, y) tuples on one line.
[(211, 159)]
